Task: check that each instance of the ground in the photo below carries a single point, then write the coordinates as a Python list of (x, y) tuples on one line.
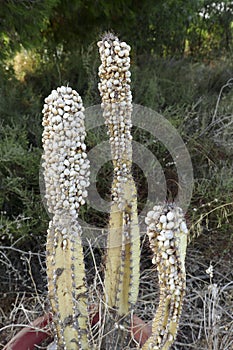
[(207, 320)]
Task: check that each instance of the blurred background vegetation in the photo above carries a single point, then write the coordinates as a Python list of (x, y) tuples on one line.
[(182, 67)]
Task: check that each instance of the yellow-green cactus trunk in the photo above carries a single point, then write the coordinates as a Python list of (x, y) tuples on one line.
[(123, 253), (66, 287)]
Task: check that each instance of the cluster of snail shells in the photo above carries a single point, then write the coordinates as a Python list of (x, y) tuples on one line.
[(165, 225), (65, 163), (114, 71), (116, 97)]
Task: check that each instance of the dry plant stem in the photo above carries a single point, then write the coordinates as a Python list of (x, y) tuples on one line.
[(167, 233), (123, 245)]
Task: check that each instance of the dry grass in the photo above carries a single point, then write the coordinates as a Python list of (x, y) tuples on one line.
[(207, 320)]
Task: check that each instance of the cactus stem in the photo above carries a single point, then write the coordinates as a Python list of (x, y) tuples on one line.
[(123, 246), (170, 260)]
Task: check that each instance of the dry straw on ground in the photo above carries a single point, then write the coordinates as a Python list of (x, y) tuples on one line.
[(207, 320)]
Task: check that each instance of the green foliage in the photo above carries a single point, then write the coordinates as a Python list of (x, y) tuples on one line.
[(211, 32), (18, 103), (22, 23), (164, 83), (22, 214), (167, 28), (145, 85), (181, 61)]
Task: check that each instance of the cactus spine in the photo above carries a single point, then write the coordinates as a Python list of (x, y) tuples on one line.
[(123, 247)]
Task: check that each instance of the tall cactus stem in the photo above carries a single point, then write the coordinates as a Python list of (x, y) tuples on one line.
[(66, 172), (123, 246)]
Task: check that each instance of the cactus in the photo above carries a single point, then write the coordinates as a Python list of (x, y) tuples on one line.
[(66, 177), (167, 232), (66, 174), (123, 248)]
